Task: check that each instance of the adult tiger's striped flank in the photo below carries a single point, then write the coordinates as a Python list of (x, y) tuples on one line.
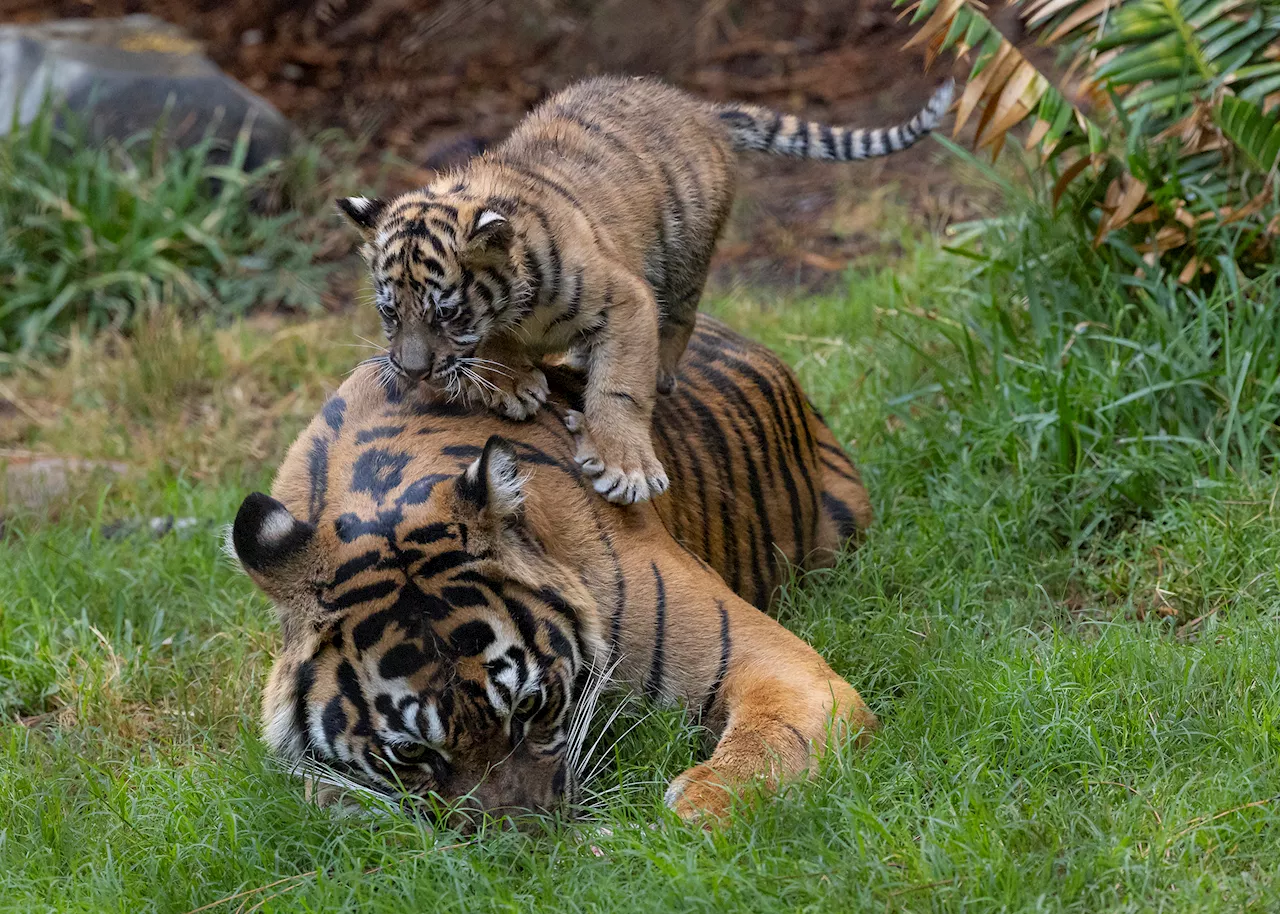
[(453, 596), (591, 229)]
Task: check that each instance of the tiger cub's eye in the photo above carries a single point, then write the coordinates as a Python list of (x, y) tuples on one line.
[(447, 310)]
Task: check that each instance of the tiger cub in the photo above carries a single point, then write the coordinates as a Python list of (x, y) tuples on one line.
[(590, 229)]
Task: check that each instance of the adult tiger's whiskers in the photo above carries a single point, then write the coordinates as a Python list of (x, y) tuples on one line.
[(604, 754), (597, 678)]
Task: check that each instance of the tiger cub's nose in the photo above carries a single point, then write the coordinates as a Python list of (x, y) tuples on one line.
[(415, 359)]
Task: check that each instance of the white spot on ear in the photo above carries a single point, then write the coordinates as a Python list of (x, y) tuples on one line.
[(506, 485), (276, 527), (489, 217), (359, 204)]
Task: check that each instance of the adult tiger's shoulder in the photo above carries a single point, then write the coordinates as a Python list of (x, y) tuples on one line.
[(453, 596)]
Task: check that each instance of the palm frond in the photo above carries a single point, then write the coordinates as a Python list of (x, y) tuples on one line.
[(1253, 132), (1170, 112)]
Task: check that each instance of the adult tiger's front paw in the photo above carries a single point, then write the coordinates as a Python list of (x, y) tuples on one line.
[(700, 795), (516, 393), (625, 473)]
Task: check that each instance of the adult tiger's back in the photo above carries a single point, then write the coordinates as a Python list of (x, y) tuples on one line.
[(761, 484)]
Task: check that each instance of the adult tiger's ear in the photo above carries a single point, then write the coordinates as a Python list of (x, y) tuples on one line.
[(363, 213), (491, 235), (493, 486), (272, 545)]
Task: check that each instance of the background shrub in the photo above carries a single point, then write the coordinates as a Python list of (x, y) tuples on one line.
[(90, 236), (1163, 140)]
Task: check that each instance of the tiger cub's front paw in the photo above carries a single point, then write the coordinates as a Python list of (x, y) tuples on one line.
[(624, 472), (517, 394)]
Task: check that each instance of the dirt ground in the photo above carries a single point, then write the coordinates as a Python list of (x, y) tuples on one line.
[(434, 82)]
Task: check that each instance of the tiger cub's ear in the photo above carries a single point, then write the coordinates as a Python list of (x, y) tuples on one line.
[(491, 235), (493, 486), (363, 213)]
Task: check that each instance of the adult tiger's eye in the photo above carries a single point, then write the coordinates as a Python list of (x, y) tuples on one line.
[(527, 706), (408, 753)]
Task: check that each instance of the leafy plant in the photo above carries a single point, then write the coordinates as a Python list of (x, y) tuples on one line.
[(1161, 134), (90, 236)]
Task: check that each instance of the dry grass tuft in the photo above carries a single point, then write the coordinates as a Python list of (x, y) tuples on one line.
[(203, 402)]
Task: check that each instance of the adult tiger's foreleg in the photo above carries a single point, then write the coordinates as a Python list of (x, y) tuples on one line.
[(779, 703), (768, 695)]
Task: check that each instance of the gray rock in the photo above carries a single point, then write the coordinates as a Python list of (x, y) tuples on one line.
[(157, 527), (122, 74), (37, 484)]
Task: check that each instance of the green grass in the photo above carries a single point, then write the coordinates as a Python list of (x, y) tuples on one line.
[(1065, 618), (92, 237)]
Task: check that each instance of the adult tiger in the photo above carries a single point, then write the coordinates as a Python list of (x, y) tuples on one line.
[(446, 582)]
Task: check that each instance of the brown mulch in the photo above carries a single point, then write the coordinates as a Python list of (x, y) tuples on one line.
[(435, 81)]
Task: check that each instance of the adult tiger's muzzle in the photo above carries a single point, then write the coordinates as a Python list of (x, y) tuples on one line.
[(521, 785)]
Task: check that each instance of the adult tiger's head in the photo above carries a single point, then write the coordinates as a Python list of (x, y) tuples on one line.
[(435, 640), (444, 275)]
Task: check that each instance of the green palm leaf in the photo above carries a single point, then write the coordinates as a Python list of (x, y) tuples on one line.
[(1180, 97), (1254, 133)]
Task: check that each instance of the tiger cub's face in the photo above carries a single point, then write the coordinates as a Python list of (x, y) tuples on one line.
[(433, 647), (443, 278)]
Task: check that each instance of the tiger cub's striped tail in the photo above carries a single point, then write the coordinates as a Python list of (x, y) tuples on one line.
[(763, 130)]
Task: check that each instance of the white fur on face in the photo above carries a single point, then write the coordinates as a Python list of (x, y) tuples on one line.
[(279, 732), (509, 678), (435, 729)]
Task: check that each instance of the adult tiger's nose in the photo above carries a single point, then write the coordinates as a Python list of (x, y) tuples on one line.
[(415, 359)]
